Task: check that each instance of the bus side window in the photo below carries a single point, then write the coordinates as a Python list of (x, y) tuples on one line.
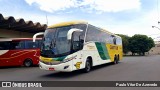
[(92, 34), (114, 41), (77, 42), (5, 45), (119, 41), (36, 44), (30, 45), (39, 43), (17, 45)]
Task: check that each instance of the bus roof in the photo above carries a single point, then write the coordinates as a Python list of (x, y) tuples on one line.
[(67, 23), (106, 31), (10, 39), (78, 22)]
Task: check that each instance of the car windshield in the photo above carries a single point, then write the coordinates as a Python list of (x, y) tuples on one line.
[(55, 41)]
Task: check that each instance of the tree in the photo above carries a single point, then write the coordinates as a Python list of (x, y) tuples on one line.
[(140, 44), (125, 42)]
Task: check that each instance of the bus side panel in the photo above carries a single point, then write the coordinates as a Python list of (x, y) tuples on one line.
[(97, 51), (7, 59), (17, 57), (120, 52), (3, 55), (32, 54), (114, 50)]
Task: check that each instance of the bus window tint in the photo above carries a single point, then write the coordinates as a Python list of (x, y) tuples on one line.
[(97, 35), (30, 44), (17, 45), (114, 41), (92, 34), (39, 43), (12, 45), (82, 27), (119, 41), (76, 41), (4, 45)]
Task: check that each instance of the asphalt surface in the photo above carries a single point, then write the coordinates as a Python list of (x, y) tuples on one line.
[(137, 68)]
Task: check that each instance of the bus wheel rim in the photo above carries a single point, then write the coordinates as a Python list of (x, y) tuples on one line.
[(88, 66), (27, 63)]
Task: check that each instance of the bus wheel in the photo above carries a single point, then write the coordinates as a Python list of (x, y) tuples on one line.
[(115, 60), (88, 66), (27, 63)]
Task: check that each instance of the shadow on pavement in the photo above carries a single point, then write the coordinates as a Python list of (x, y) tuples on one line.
[(12, 67), (75, 73)]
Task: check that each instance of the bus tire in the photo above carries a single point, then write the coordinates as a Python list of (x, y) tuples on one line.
[(115, 60), (27, 63), (88, 66)]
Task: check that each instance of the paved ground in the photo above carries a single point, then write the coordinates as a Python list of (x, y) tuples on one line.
[(138, 68)]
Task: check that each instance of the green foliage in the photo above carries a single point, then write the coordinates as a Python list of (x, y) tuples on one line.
[(136, 44), (140, 44), (125, 42)]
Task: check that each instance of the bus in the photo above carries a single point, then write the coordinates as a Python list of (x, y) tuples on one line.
[(75, 45), (19, 51)]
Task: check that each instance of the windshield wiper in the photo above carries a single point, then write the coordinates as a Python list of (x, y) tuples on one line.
[(53, 44)]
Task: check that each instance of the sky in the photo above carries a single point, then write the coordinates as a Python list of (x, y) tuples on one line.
[(128, 17)]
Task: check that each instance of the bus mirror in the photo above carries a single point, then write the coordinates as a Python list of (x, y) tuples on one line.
[(71, 31), (37, 34)]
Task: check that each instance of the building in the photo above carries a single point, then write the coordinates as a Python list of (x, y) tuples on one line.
[(19, 28), (155, 50)]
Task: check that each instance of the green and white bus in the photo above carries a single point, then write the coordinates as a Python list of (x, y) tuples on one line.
[(75, 45)]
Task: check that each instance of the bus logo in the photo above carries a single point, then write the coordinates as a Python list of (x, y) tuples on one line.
[(77, 65), (114, 47)]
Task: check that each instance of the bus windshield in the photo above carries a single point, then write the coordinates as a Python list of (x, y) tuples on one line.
[(55, 43)]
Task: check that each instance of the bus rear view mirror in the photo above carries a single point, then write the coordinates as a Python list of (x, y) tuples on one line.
[(71, 31), (37, 34)]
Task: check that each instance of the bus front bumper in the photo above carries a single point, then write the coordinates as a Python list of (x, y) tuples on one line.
[(65, 67)]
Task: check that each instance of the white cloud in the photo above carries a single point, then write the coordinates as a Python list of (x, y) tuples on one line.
[(112, 5), (140, 25), (53, 5), (98, 5)]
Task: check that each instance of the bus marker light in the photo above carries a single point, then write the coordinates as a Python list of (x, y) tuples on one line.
[(65, 67)]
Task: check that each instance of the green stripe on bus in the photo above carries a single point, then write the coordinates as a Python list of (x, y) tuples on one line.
[(105, 50), (59, 58), (102, 50)]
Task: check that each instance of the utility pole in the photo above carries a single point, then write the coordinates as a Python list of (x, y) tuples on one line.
[(46, 20)]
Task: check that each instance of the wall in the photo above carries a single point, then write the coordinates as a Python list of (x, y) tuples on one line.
[(155, 50), (14, 34)]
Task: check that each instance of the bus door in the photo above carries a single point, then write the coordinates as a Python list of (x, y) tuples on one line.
[(77, 45)]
